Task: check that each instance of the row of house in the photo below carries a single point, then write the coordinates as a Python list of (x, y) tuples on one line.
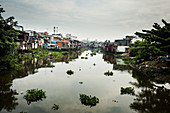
[(30, 39), (118, 46)]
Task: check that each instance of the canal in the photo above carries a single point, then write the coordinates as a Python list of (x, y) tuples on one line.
[(88, 79)]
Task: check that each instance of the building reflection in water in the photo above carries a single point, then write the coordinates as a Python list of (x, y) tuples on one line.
[(8, 99)]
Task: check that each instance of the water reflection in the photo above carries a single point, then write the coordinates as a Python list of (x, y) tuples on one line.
[(8, 101), (88, 79), (151, 98), (118, 64), (109, 58)]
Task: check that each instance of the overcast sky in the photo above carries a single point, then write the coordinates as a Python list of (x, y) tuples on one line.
[(92, 19)]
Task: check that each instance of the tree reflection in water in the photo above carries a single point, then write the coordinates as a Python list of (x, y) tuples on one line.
[(8, 101), (151, 99)]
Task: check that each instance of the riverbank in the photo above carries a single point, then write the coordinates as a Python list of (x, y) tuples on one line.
[(157, 69)]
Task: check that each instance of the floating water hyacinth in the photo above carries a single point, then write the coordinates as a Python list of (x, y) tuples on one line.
[(55, 107), (127, 90), (70, 72), (88, 100), (34, 95), (108, 73)]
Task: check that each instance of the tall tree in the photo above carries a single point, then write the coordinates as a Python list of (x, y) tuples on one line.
[(159, 37), (155, 42), (7, 41)]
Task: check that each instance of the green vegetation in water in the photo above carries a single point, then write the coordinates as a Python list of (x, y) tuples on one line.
[(70, 72), (127, 90), (34, 95), (92, 54), (80, 82), (55, 107), (88, 100), (71, 58), (50, 65), (8, 84), (66, 62), (108, 73), (82, 57)]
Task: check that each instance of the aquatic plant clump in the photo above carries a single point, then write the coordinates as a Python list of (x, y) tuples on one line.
[(66, 62), (88, 100), (55, 107), (8, 84), (127, 90), (92, 54), (50, 65), (34, 95), (70, 72), (82, 57), (108, 73)]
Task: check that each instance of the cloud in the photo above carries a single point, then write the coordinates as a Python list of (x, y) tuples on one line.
[(102, 19)]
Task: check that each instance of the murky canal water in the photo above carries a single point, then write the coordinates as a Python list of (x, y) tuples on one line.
[(89, 79)]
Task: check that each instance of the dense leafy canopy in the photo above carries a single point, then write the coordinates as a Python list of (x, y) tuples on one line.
[(7, 41), (155, 42)]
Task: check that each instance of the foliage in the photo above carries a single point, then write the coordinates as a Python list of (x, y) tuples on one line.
[(92, 54), (55, 107), (66, 62), (127, 90), (50, 65), (8, 84), (82, 57), (70, 72), (7, 41), (71, 58), (34, 95), (88, 100), (155, 42), (108, 73)]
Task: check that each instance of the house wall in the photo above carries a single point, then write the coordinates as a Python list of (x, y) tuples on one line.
[(59, 44)]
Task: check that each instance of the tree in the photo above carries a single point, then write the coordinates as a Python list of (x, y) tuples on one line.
[(159, 37), (7, 41), (155, 42)]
